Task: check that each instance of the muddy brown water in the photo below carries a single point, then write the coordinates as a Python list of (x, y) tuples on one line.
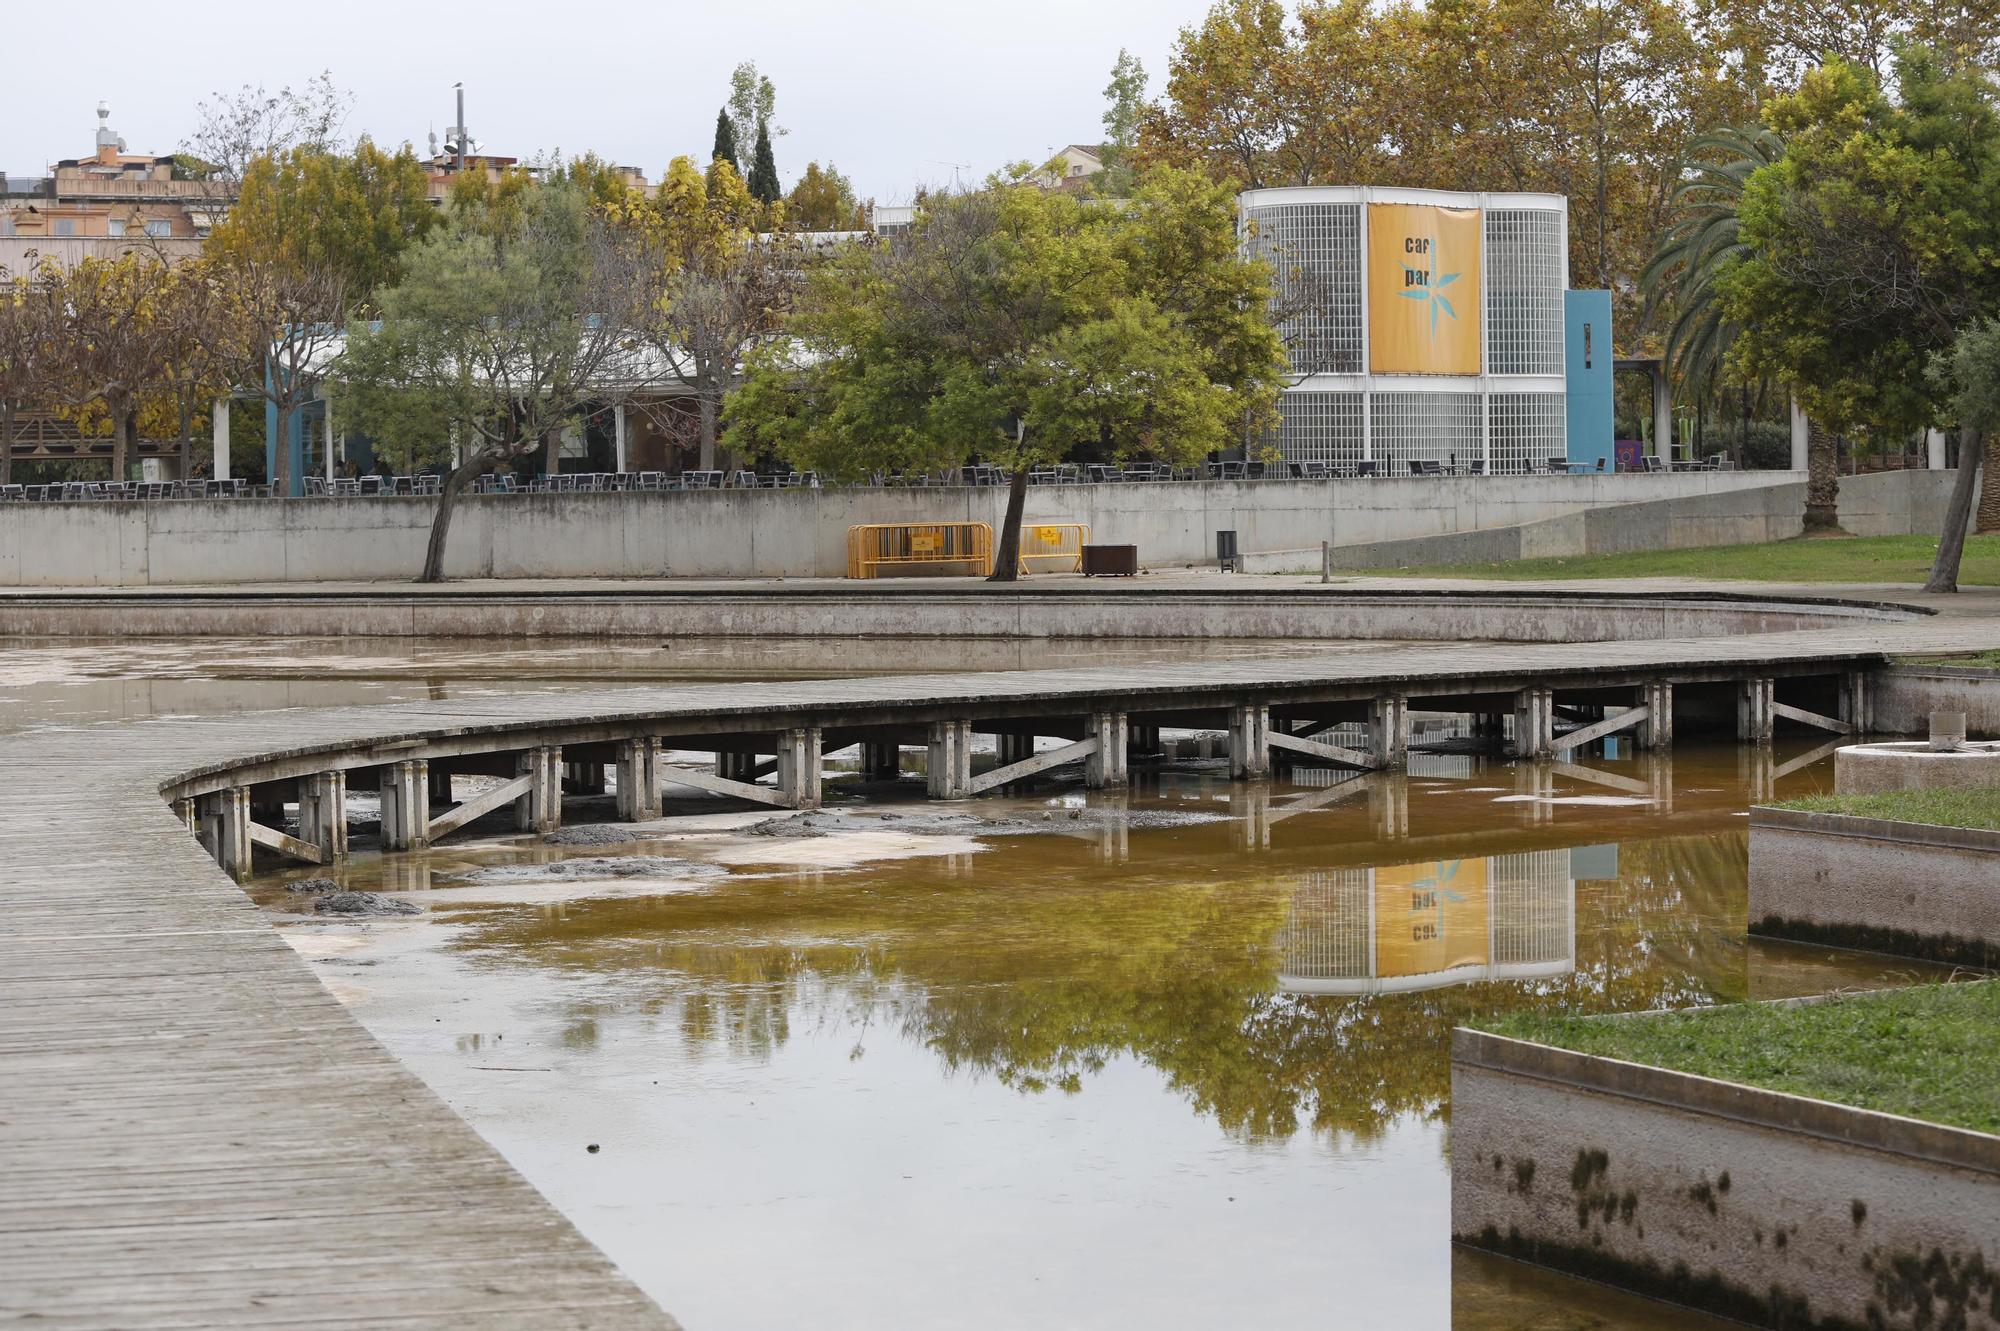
[(1175, 1056)]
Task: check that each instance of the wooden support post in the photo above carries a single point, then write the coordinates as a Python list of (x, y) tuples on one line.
[(1105, 768), (736, 766), (225, 829), (438, 783), (1856, 703), (1756, 768), (638, 779), (540, 808), (1534, 723), (1249, 745), (1012, 748), (1657, 730), (323, 814), (1141, 740), (1389, 807), (880, 760), (584, 778), (799, 766), (1753, 710), (406, 805), (1389, 729), (949, 768)]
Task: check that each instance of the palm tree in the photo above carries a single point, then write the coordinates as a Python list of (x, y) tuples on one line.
[(1693, 252)]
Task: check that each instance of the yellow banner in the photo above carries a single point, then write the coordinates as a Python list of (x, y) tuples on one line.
[(1423, 289), (1430, 917)]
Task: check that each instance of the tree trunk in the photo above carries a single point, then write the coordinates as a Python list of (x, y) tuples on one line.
[(187, 440), (1957, 517), (552, 452), (7, 442), (454, 481), (281, 456), (1822, 479), (1007, 551), (710, 413), (121, 439), (1989, 485)]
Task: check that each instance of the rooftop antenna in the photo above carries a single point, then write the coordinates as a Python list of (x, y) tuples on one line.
[(956, 167), (459, 88)]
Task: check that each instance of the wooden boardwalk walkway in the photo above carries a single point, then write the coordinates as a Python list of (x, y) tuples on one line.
[(193, 1132)]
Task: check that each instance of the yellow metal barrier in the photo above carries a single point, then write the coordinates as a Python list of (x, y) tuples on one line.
[(964, 548), (1053, 547)]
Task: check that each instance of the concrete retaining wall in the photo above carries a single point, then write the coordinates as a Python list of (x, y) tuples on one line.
[(1904, 697), (907, 609), (798, 533), (1893, 503), (1907, 888), (1774, 1209)]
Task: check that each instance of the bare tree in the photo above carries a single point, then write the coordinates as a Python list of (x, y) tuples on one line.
[(715, 309), (234, 129), (278, 322)]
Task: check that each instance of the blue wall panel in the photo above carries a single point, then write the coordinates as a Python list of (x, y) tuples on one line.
[(1587, 366)]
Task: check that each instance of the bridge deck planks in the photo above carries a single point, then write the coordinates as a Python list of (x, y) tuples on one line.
[(193, 1131)]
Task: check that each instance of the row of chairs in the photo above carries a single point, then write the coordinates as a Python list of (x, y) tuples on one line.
[(372, 487), (113, 491)]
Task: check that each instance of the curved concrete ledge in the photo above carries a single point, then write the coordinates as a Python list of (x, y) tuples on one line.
[(837, 608), (197, 1132), (1775, 1209), (1866, 769)]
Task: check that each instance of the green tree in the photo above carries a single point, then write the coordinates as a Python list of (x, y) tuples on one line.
[(725, 142), (823, 200), (1967, 378), (1124, 107), (1024, 326), (763, 179), (1871, 240), (500, 334)]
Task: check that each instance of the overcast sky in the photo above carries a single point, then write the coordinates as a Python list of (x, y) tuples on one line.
[(893, 91)]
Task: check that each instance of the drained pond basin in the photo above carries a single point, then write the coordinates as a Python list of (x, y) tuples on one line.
[(1174, 1056)]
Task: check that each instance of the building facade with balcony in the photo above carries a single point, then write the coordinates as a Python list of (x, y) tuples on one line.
[(1432, 326)]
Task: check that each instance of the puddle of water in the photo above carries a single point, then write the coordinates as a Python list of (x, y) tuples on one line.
[(1079, 1072)]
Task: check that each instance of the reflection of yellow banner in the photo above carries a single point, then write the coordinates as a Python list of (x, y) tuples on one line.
[(1423, 289), (1430, 917)]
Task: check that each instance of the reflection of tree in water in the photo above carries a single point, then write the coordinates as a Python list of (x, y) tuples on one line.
[(1042, 985)]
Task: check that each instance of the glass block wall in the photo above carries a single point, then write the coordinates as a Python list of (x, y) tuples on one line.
[(1320, 427), (1440, 426), (1524, 291), (1527, 429), (1531, 908), (1326, 934), (1315, 255)]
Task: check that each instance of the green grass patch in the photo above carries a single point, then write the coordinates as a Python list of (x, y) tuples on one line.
[(1873, 559), (1976, 660), (1924, 1052), (1977, 807)]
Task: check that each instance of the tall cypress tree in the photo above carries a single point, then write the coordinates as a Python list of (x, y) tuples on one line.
[(763, 181), (725, 139)]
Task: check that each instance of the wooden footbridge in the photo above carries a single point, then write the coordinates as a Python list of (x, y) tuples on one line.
[(194, 1132)]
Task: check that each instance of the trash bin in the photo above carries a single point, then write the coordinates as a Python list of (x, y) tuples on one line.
[(1226, 556)]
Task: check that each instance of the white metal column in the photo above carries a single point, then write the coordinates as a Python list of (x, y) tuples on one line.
[(618, 433), (1801, 436), (220, 470)]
